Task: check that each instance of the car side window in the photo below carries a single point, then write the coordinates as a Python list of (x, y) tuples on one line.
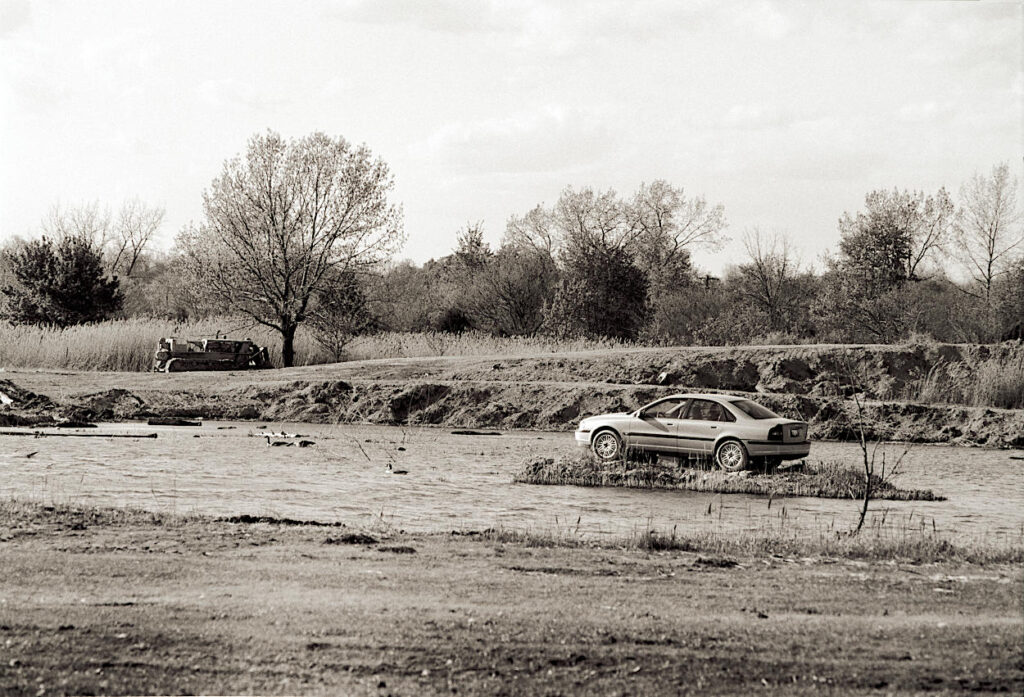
[(706, 410), (669, 409)]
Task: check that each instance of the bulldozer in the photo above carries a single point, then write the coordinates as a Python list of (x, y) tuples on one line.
[(175, 355)]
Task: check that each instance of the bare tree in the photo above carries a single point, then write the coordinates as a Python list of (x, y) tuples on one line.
[(286, 216), (671, 222), (767, 277), (136, 225), (599, 219), (657, 226), (866, 429), (508, 296), (988, 230), (88, 222), (121, 241), (535, 230)]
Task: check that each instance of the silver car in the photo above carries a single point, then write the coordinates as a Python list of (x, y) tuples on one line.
[(728, 429)]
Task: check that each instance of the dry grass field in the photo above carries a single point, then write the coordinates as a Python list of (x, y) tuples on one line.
[(116, 602), (128, 345)]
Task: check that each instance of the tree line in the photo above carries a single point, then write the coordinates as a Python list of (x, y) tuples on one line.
[(303, 232)]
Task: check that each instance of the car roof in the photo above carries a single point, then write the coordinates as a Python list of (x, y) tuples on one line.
[(707, 395)]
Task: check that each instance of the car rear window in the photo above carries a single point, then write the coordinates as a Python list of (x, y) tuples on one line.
[(754, 410)]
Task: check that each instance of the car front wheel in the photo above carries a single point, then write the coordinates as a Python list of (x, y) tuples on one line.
[(731, 456), (607, 445)]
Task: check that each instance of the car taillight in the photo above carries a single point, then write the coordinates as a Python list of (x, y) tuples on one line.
[(775, 433)]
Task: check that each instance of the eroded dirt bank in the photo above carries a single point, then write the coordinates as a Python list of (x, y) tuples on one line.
[(551, 391), (121, 602)]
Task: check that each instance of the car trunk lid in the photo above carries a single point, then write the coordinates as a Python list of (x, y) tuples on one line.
[(792, 431)]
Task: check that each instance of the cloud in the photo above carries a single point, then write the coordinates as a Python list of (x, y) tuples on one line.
[(926, 112), (14, 14), (238, 93), (760, 115), (766, 19), (552, 139), (564, 26), (455, 16)]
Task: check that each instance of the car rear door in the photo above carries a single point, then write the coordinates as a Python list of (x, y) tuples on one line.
[(655, 427), (702, 426)]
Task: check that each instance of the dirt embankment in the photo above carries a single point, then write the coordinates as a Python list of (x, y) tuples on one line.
[(815, 383)]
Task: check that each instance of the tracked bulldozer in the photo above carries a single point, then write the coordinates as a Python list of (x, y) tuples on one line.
[(175, 355)]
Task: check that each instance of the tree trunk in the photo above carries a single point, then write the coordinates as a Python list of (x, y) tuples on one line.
[(288, 344)]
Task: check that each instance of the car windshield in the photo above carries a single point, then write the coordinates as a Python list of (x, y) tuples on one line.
[(754, 410)]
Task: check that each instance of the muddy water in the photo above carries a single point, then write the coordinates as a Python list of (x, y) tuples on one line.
[(458, 482)]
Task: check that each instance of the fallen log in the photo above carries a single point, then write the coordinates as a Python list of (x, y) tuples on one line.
[(172, 421), (43, 434)]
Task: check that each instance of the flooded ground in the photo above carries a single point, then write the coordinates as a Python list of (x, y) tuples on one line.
[(460, 482)]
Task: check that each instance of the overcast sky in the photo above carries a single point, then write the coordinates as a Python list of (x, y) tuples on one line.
[(785, 112)]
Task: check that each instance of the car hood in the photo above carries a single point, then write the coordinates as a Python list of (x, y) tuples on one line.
[(604, 417)]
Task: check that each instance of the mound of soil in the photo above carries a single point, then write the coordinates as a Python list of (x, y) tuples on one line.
[(820, 480)]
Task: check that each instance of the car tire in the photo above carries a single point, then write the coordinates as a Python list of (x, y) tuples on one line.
[(606, 445), (731, 456)]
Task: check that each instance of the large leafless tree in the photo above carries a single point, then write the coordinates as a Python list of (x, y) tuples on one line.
[(988, 231), (286, 217)]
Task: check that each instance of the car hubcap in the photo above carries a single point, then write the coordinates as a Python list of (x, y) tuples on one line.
[(730, 456), (606, 446)]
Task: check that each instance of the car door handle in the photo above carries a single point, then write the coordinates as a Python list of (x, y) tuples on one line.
[(714, 427)]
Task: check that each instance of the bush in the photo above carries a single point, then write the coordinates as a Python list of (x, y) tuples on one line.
[(601, 294)]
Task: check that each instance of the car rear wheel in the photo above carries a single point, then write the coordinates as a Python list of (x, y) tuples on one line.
[(607, 445), (731, 456)]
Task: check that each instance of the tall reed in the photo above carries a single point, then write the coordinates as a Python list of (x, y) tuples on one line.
[(996, 382), (128, 345)]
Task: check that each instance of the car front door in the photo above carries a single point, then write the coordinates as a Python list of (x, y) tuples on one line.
[(702, 426), (654, 428)]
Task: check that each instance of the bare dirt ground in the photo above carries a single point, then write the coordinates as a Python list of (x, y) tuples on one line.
[(108, 602)]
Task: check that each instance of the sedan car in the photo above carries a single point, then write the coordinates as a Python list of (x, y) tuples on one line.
[(730, 430)]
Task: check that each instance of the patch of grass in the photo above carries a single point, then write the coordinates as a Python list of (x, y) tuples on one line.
[(471, 343), (820, 479), (880, 541), (16, 513), (915, 544)]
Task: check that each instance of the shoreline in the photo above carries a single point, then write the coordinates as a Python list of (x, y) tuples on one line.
[(474, 405)]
